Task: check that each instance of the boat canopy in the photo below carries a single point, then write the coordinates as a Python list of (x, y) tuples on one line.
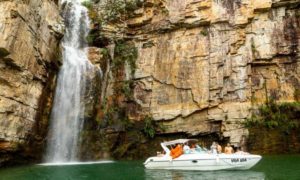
[(177, 141)]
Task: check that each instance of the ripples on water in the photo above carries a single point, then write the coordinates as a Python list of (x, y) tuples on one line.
[(192, 175), (271, 167)]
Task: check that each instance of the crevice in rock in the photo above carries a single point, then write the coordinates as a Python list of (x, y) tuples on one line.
[(176, 87), (18, 101)]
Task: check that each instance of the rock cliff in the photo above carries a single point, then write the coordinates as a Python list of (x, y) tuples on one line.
[(204, 65), (29, 60), (170, 69)]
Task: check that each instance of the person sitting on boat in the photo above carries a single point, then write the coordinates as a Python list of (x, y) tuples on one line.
[(198, 148), (239, 151), (186, 149), (160, 154), (228, 149), (177, 151), (193, 148), (219, 148), (213, 148)]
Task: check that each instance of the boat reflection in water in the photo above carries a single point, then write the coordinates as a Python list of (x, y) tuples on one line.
[(191, 175)]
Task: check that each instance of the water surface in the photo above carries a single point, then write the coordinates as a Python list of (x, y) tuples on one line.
[(284, 167)]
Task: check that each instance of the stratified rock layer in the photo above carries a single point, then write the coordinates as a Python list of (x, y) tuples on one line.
[(29, 53), (204, 64)]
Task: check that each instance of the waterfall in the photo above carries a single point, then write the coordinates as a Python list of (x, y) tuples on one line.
[(67, 114)]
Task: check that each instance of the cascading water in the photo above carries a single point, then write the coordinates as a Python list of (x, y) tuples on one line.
[(68, 109)]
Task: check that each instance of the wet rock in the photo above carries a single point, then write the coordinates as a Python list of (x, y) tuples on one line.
[(29, 59)]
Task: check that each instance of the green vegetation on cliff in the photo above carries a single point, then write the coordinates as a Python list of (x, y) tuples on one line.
[(119, 10), (125, 53), (273, 127), (88, 4), (151, 127), (284, 116)]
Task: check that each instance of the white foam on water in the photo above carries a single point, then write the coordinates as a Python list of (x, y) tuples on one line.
[(74, 163)]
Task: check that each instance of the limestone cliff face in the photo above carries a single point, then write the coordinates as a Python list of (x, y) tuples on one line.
[(29, 53), (204, 64)]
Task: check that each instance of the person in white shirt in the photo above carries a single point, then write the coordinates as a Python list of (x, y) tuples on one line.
[(186, 149), (213, 148)]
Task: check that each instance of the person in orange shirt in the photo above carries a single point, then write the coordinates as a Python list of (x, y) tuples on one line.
[(177, 151)]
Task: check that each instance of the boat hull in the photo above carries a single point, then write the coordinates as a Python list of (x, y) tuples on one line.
[(203, 162)]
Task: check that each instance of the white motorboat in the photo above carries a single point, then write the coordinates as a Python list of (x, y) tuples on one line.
[(200, 159)]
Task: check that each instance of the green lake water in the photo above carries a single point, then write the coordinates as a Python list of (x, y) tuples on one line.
[(284, 167)]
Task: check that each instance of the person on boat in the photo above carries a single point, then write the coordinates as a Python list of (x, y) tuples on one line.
[(197, 148), (186, 149), (177, 151), (193, 148), (239, 151), (160, 154), (219, 148), (228, 149), (213, 148)]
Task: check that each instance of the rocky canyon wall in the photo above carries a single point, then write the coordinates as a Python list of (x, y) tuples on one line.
[(205, 74), (170, 69), (204, 65), (30, 32)]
